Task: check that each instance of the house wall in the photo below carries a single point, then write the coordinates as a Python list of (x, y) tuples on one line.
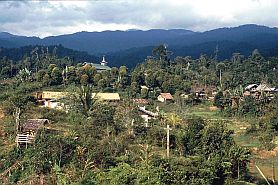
[(53, 105), (160, 98), (146, 119)]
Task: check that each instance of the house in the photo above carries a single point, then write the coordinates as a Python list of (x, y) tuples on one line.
[(49, 95), (147, 115), (51, 99), (54, 104), (251, 87), (165, 97), (29, 130), (200, 93), (33, 125), (204, 92), (264, 88), (258, 90), (108, 97)]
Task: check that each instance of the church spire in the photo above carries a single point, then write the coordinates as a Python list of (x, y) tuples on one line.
[(103, 62)]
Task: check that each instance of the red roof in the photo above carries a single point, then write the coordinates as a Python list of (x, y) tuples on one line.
[(166, 96), (140, 100)]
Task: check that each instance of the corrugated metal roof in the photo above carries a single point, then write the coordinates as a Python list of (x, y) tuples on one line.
[(53, 95), (100, 67), (251, 86), (106, 96), (143, 109), (166, 96), (263, 87)]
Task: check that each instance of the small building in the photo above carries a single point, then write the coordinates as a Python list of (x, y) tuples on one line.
[(50, 95), (165, 97), (147, 115), (33, 125), (204, 92), (258, 90), (29, 130), (200, 93), (54, 104), (109, 97), (251, 87), (51, 99)]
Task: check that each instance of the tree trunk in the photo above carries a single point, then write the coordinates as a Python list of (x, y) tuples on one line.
[(237, 170), (17, 119)]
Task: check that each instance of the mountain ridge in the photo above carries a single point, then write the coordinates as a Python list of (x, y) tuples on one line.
[(131, 47)]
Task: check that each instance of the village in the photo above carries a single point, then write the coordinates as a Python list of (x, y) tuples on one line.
[(166, 110), (129, 92), (197, 95)]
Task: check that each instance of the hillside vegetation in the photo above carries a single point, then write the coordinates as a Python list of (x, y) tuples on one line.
[(90, 141)]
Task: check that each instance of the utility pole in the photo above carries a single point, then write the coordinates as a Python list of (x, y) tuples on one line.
[(17, 119), (262, 174), (168, 140), (220, 78), (273, 171)]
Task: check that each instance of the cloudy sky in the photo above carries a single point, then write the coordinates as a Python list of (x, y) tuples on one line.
[(45, 18)]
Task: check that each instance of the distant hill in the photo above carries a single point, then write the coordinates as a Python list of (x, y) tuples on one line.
[(100, 42), (16, 54), (132, 57), (132, 46)]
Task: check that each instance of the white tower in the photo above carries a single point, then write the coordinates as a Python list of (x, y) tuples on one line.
[(103, 62)]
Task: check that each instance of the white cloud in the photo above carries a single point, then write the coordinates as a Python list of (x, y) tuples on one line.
[(43, 18)]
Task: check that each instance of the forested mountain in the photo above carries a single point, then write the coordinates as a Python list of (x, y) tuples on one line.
[(130, 47), (100, 42), (16, 54)]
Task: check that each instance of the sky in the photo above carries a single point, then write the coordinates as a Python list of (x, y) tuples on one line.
[(46, 18)]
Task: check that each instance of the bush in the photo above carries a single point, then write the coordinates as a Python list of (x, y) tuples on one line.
[(53, 114)]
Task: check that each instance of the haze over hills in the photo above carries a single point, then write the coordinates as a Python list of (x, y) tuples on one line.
[(100, 42), (130, 47)]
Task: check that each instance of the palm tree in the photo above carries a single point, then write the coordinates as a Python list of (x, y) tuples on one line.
[(83, 95), (173, 119)]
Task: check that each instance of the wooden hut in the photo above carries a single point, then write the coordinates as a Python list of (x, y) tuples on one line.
[(29, 131)]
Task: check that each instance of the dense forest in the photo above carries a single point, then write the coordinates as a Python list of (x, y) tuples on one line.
[(132, 46), (96, 142)]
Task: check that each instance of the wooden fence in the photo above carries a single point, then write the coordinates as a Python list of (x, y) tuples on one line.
[(24, 139)]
